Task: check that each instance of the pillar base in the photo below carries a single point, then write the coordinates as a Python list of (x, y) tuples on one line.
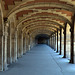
[(72, 62), (63, 57), (56, 51), (59, 53), (5, 68)]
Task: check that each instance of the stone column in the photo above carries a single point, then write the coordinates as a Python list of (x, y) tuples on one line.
[(25, 44), (32, 41), (72, 41), (29, 42), (18, 45), (1, 42), (65, 41), (5, 45), (9, 43), (12, 41), (1, 53), (57, 40), (60, 40), (22, 44), (10, 50), (51, 41), (15, 45), (54, 41)]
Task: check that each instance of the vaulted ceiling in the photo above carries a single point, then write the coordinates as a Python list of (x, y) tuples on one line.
[(40, 16)]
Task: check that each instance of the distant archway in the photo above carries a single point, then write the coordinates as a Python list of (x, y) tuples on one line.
[(42, 39)]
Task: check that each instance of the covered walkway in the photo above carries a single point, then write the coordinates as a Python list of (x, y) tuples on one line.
[(41, 60), (25, 23)]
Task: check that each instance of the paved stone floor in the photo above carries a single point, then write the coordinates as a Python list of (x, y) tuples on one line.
[(41, 60)]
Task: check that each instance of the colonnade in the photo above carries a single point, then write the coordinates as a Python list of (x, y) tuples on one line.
[(14, 43), (61, 37)]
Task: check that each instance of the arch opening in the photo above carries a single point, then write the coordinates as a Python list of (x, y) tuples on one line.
[(42, 39)]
